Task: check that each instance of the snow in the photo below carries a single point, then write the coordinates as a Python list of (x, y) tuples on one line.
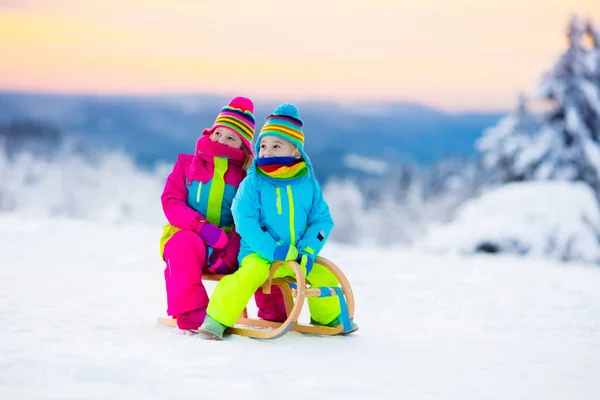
[(346, 204), (592, 152), (592, 94), (79, 299), (539, 219), (495, 135), (109, 187), (536, 148)]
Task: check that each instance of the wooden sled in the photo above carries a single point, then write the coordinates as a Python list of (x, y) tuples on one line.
[(294, 292)]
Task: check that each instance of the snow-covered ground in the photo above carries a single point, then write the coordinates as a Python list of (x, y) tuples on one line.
[(554, 219), (79, 300)]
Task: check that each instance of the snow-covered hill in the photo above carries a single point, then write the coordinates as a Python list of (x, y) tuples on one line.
[(79, 299)]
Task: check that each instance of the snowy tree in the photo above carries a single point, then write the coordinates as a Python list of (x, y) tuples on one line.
[(390, 212), (594, 34), (560, 143), (446, 184), (573, 153), (565, 144), (400, 205), (502, 144), (346, 204), (409, 198)]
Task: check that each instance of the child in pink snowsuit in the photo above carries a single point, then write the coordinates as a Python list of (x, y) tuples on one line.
[(196, 200)]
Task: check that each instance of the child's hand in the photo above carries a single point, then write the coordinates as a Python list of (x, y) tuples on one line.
[(221, 267), (224, 261), (213, 236), (285, 252), (306, 260)]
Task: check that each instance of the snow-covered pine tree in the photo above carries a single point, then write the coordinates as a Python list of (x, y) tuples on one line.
[(346, 204), (594, 35), (501, 145), (593, 32), (447, 184), (574, 122), (566, 143)]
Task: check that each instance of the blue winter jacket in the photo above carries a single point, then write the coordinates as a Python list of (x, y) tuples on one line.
[(268, 212)]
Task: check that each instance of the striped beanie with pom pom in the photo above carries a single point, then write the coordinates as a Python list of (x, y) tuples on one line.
[(285, 123), (239, 116)]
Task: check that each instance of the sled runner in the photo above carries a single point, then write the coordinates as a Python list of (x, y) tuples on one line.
[(294, 292)]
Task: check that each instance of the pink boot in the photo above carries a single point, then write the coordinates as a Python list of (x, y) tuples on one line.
[(271, 306), (192, 319)]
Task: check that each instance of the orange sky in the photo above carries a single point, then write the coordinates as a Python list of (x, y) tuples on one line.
[(457, 54)]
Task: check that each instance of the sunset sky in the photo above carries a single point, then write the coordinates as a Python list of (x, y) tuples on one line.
[(457, 55)]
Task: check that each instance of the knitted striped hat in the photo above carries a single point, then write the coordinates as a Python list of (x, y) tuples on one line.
[(285, 123), (239, 116)]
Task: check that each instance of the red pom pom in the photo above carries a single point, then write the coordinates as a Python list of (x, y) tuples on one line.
[(243, 103)]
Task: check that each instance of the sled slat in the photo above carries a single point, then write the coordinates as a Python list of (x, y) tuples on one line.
[(167, 321), (304, 328), (247, 323)]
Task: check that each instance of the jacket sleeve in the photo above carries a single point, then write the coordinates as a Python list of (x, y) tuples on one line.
[(319, 226), (174, 202), (246, 215)]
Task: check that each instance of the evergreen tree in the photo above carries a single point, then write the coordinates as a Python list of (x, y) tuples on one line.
[(594, 34), (565, 141), (502, 144)]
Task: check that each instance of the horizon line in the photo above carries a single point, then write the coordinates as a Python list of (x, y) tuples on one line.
[(272, 98)]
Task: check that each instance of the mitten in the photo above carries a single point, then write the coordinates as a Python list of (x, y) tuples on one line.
[(285, 252), (213, 236), (221, 267), (306, 260), (225, 261)]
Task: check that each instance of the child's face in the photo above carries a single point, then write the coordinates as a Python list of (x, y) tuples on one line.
[(227, 137), (273, 146)]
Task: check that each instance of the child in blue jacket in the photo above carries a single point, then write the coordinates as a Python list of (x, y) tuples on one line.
[(280, 214)]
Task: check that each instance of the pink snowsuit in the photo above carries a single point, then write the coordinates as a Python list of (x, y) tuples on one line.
[(200, 189)]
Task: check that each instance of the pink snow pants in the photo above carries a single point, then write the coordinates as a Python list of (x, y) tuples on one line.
[(186, 259)]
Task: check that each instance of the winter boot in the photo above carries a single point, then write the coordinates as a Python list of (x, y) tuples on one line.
[(335, 323), (211, 329), (191, 319)]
